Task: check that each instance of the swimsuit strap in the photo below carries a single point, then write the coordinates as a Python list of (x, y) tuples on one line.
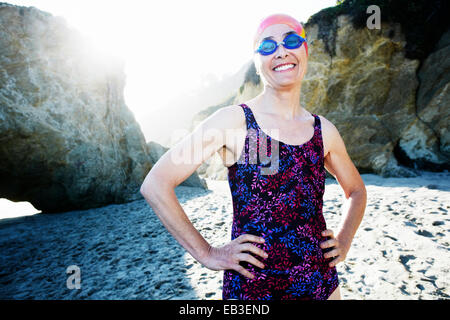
[(249, 117)]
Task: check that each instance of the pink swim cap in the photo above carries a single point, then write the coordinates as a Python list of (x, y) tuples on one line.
[(280, 18)]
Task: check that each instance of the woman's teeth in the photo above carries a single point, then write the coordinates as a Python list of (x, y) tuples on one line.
[(284, 67)]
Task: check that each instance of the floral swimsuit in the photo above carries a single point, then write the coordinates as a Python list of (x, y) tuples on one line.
[(277, 194)]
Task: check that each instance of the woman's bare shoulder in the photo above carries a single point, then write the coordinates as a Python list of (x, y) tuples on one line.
[(231, 116), (324, 121), (330, 134), (228, 117), (328, 128)]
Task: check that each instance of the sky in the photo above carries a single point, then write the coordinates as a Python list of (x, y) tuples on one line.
[(172, 48)]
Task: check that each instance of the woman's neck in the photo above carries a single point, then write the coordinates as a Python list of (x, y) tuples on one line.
[(285, 104)]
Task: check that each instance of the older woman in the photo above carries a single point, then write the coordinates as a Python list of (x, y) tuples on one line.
[(280, 247)]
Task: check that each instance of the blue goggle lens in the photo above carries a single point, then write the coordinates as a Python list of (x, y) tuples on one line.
[(292, 41), (268, 46)]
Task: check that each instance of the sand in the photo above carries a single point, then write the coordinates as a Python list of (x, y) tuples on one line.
[(401, 250)]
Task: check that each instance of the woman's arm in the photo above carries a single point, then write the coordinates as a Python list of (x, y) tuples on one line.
[(175, 166), (339, 164)]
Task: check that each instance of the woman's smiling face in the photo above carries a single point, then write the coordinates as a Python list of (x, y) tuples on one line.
[(266, 64)]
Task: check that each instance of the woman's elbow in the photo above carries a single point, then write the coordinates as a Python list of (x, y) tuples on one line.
[(149, 184), (144, 191), (154, 184)]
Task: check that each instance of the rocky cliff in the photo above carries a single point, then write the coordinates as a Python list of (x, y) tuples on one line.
[(67, 139), (387, 93)]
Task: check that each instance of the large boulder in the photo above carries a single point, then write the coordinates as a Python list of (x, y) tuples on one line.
[(427, 140), (67, 139), (367, 89)]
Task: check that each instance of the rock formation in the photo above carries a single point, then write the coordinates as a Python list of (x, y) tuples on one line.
[(67, 139), (367, 89), (426, 141)]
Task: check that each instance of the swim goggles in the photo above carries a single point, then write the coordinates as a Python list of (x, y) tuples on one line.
[(291, 41)]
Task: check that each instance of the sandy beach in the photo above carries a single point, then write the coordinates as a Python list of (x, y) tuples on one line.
[(401, 250)]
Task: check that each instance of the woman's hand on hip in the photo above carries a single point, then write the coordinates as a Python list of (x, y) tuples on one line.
[(338, 249), (229, 256)]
